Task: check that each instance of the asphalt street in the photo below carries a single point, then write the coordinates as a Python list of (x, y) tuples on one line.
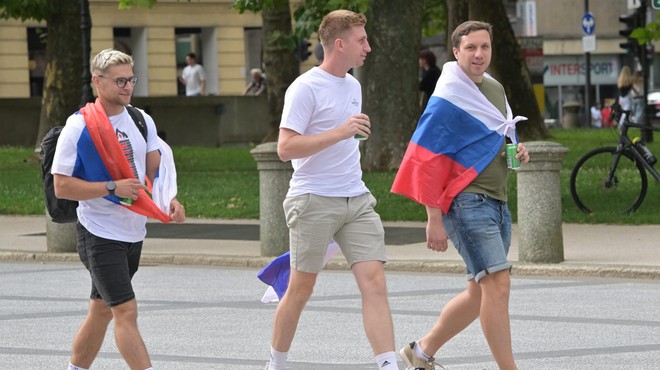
[(195, 317)]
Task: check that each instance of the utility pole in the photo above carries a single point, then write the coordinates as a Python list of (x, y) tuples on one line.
[(647, 133), (587, 79)]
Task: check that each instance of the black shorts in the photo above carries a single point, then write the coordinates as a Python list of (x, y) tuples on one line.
[(111, 264)]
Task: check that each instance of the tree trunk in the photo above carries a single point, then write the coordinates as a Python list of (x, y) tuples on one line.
[(63, 76), (508, 67), (280, 63), (391, 88), (457, 13)]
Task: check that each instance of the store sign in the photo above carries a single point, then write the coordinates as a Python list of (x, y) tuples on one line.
[(570, 70)]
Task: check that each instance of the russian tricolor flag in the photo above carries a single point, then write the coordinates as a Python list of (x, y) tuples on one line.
[(105, 160), (456, 138)]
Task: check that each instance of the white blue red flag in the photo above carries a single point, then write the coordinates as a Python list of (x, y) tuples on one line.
[(458, 135), (276, 273)]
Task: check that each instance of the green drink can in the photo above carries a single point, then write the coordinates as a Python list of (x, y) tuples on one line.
[(512, 162), (126, 201), (359, 137)]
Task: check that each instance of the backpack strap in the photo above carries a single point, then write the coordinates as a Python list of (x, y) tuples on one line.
[(138, 118)]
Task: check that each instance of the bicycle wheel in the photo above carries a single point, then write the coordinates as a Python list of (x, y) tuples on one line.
[(593, 194)]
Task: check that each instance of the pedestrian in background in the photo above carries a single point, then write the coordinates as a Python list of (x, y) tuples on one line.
[(624, 85), (455, 166), (193, 77), (102, 159), (430, 75), (327, 198), (596, 116), (637, 96), (257, 86)]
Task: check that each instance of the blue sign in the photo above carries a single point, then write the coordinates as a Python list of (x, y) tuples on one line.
[(588, 23)]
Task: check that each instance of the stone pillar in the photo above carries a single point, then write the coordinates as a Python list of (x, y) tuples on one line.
[(570, 117), (274, 177), (60, 238), (539, 204)]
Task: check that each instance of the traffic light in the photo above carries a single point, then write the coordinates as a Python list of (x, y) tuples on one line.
[(302, 50), (630, 22)]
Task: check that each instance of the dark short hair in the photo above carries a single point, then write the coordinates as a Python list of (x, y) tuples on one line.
[(192, 55), (428, 56), (468, 27)]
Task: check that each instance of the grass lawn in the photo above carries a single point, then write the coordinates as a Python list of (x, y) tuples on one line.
[(224, 183)]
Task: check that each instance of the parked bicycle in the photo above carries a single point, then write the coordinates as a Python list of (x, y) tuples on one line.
[(614, 179)]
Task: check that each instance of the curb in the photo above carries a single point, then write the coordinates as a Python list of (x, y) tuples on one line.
[(447, 267)]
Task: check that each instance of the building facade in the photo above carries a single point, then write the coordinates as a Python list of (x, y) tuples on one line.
[(229, 44)]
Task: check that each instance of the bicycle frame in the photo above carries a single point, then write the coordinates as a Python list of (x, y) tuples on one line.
[(625, 142)]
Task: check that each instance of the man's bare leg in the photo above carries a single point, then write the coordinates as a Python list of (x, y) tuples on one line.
[(376, 315), (495, 289), (455, 316), (127, 336), (285, 323), (89, 338)]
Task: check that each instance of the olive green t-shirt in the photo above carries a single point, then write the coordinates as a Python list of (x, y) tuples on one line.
[(492, 180)]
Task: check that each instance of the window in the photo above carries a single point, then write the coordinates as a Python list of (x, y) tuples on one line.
[(37, 59)]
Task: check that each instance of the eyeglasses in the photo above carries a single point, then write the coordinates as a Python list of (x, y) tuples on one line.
[(122, 81)]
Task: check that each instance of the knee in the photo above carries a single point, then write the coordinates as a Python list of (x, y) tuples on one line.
[(497, 284), (373, 283), (299, 290), (100, 311), (125, 312)]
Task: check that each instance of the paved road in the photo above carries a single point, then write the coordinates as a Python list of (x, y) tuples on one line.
[(211, 318)]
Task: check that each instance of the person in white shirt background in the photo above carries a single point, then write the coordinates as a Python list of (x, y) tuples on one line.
[(193, 77)]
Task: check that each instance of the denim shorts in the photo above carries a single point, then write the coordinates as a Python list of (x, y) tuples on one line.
[(111, 264), (314, 220), (480, 229)]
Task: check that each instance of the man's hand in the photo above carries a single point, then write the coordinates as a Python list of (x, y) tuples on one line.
[(357, 124), (523, 155), (129, 188), (436, 236), (177, 211)]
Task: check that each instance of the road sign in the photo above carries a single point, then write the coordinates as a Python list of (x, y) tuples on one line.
[(589, 43), (588, 23), (656, 4)]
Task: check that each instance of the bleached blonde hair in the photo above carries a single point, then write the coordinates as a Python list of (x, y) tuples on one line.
[(107, 58)]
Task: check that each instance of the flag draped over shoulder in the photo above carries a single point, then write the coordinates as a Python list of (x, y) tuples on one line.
[(106, 148), (458, 135)]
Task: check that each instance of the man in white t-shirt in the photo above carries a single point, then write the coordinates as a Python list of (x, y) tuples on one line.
[(110, 235), (596, 116), (193, 77), (327, 198)]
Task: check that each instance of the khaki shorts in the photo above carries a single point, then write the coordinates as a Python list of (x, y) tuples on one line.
[(314, 220)]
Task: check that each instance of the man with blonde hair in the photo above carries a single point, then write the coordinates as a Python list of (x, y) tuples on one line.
[(327, 199), (102, 160)]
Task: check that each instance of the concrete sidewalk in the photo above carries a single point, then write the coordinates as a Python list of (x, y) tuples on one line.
[(624, 251)]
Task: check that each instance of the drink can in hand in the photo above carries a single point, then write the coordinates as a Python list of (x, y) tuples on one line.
[(512, 162), (359, 137)]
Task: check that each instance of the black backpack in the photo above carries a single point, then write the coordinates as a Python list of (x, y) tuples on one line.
[(64, 210)]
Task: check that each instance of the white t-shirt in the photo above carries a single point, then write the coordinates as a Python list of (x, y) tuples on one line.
[(101, 216), (596, 117), (194, 75), (316, 102)]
